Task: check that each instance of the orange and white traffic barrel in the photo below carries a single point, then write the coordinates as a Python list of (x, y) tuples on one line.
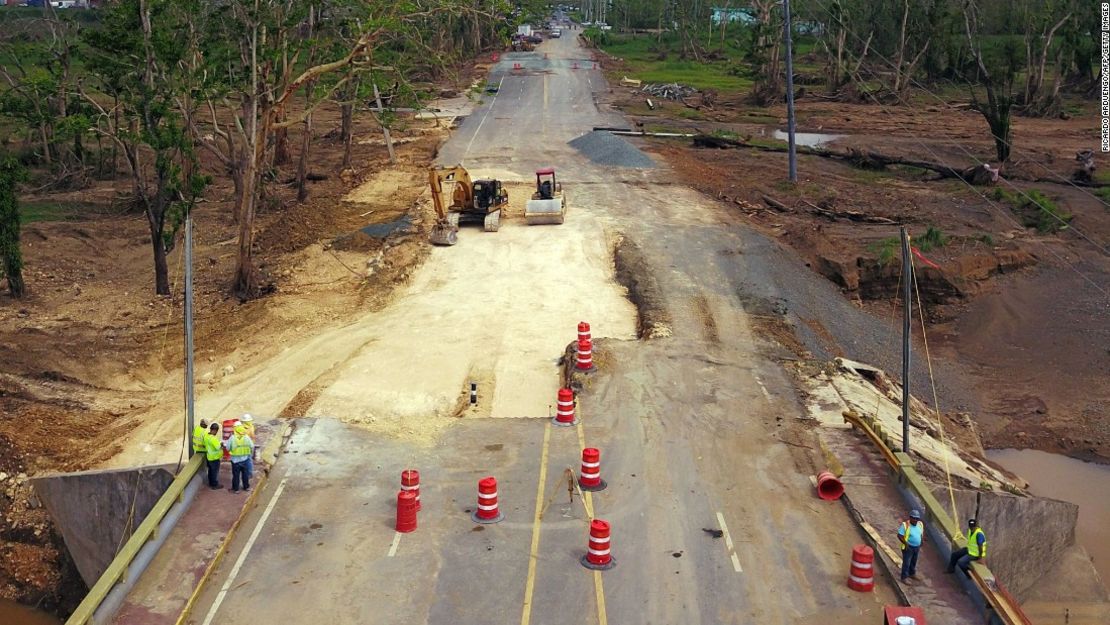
[(584, 331), (584, 360), (487, 510), (406, 511), (564, 409), (862, 576), (599, 557), (410, 481), (590, 477)]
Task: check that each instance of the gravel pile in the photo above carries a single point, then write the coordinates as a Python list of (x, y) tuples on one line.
[(606, 149)]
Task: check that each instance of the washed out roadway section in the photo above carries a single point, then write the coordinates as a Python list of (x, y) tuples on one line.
[(689, 426)]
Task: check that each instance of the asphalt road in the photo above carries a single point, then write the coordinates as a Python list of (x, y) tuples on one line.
[(700, 430)]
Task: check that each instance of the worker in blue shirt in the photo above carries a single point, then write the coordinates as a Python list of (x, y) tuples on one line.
[(911, 533), (976, 549)]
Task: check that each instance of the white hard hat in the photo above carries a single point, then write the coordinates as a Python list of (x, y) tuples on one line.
[(246, 418), (236, 424)]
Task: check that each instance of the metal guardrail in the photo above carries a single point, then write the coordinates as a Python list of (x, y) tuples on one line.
[(1004, 606), (117, 569)]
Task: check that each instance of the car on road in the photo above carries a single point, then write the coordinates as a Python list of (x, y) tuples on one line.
[(556, 33)]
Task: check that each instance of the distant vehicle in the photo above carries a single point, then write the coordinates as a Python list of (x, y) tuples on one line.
[(556, 33)]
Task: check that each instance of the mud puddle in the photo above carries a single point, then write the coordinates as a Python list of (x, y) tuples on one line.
[(1083, 483), (12, 613), (807, 139)]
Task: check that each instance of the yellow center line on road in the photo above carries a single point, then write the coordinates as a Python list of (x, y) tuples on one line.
[(530, 585), (728, 544), (588, 500)]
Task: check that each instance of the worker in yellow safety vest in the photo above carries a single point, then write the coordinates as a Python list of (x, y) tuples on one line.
[(198, 436), (976, 549), (240, 447), (214, 453)]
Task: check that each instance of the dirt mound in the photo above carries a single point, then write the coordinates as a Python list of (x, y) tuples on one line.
[(653, 320)]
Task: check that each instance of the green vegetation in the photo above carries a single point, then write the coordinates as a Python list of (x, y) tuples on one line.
[(656, 60), (886, 249), (931, 240), (11, 258), (890, 249), (1103, 193), (1035, 209), (985, 239), (31, 212)]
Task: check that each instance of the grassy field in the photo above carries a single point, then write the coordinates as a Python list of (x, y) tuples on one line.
[(642, 54), (31, 212)]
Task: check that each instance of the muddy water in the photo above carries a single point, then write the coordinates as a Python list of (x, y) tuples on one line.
[(807, 139), (1082, 483), (12, 613)]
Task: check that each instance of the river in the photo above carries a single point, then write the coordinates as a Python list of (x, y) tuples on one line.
[(12, 613), (1083, 483)]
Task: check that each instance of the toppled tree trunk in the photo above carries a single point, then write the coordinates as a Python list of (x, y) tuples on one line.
[(980, 175), (858, 158), (1085, 170)]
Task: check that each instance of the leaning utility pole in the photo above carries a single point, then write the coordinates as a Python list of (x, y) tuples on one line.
[(907, 311), (189, 332), (793, 153)]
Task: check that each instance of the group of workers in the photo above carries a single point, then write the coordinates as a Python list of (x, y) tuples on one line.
[(911, 534), (207, 440)]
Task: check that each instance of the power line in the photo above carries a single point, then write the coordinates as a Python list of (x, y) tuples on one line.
[(962, 148)]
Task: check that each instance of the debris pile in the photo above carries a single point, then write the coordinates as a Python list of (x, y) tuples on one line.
[(670, 91)]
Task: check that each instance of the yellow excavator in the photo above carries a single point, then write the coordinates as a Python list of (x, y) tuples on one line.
[(471, 200)]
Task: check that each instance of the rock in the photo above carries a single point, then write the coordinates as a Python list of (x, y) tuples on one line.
[(3, 476), (228, 370)]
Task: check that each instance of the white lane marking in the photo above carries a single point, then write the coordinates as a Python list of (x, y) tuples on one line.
[(393, 547), (479, 128), (243, 555), (728, 544)]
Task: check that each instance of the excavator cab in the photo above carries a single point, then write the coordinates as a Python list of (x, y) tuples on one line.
[(487, 193)]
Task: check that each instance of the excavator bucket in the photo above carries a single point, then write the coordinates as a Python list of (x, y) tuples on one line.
[(551, 211), (443, 233)]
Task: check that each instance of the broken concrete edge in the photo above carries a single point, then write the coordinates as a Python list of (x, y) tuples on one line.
[(985, 591), (108, 593), (268, 456), (997, 605)]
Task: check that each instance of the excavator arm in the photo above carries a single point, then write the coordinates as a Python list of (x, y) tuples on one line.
[(443, 233)]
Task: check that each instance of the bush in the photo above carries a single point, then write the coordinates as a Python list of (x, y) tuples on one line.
[(1035, 209)]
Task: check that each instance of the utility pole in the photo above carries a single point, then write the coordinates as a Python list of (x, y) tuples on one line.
[(189, 423), (793, 152), (907, 311)]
